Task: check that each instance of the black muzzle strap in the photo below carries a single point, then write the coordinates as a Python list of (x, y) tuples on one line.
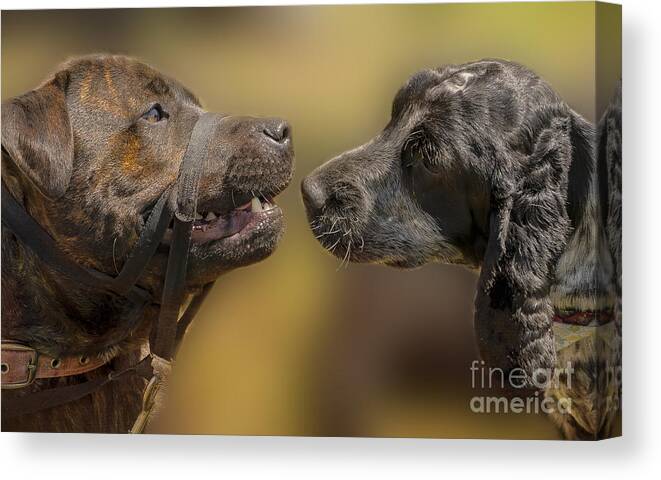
[(188, 184), (150, 238)]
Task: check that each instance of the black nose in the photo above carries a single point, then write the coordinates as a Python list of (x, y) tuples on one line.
[(277, 130), (314, 195)]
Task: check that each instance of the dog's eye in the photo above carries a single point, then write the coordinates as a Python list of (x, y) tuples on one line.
[(154, 114), (417, 149), (411, 150), (410, 155)]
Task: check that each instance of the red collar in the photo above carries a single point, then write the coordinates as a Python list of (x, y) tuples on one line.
[(585, 318)]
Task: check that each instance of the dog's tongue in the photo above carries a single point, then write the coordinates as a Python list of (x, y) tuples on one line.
[(212, 227), (221, 227)]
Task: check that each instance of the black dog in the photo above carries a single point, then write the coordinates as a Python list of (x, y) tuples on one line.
[(88, 153), (484, 165)]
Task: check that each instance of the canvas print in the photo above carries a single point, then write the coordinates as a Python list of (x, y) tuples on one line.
[(357, 220)]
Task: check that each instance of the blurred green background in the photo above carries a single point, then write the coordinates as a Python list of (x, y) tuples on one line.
[(294, 346)]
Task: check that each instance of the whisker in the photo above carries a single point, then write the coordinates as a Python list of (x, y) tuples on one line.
[(114, 262), (334, 245), (328, 233), (346, 257)]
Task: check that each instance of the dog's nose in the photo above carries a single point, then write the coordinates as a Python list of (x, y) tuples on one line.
[(314, 195), (277, 130)]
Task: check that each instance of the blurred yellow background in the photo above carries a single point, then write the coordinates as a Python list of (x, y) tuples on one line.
[(293, 346)]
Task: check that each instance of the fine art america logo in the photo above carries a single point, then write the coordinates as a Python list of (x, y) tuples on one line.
[(484, 378)]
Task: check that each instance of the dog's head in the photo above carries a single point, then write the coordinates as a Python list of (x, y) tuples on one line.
[(472, 168), (91, 150)]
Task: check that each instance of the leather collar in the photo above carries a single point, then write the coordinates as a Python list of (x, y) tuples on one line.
[(22, 365)]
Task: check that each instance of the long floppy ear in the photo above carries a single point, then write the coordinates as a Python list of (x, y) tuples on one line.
[(528, 229), (37, 136)]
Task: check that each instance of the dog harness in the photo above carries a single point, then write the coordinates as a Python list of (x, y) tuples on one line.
[(21, 365)]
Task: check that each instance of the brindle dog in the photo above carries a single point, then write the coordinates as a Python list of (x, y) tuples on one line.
[(88, 153), (484, 165)]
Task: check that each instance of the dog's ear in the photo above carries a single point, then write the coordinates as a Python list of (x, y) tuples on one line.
[(528, 229), (37, 136)]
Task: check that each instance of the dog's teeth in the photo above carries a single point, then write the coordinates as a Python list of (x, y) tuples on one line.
[(198, 216), (256, 205), (210, 216)]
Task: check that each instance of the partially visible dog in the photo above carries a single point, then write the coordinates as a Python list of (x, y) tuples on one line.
[(484, 165), (88, 153)]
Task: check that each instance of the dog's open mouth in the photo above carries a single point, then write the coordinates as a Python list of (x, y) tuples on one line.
[(209, 225)]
